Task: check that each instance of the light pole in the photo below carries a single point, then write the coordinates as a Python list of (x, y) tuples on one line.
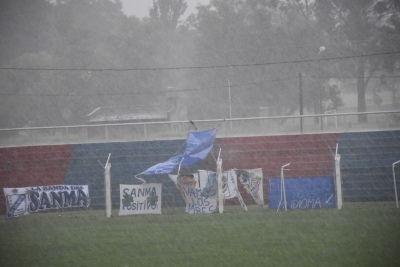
[(321, 49), (301, 101), (230, 103)]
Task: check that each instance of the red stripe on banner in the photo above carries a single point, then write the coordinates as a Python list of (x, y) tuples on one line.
[(32, 166)]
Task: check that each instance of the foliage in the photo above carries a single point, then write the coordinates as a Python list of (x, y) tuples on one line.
[(167, 13), (88, 54), (356, 28), (334, 96)]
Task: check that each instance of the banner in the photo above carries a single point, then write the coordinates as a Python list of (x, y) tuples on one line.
[(198, 145), (302, 193), (199, 191), (252, 182), (229, 187), (140, 199), (229, 184), (24, 200)]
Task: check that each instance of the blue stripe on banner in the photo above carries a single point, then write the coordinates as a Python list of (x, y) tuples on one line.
[(302, 193), (15, 206)]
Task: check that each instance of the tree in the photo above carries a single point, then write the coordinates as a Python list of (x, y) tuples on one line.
[(66, 34), (360, 27), (168, 12), (234, 32), (304, 38), (169, 42), (229, 33), (25, 27)]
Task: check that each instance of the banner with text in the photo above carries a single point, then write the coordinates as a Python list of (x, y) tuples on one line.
[(301, 193), (140, 199), (199, 191), (24, 200)]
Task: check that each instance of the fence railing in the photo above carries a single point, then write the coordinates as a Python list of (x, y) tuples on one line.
[(256, 126)]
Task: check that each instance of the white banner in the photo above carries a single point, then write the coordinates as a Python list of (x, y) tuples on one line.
[(229, 184), (252, 182), (199, 190), (24, 200), (140, 199)]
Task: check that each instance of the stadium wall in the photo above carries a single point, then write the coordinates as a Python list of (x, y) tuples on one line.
[(366, 159)]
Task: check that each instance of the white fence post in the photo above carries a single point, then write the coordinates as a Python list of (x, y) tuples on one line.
[(107, 188), (339, 200), (220, 191), (283, 189), (394, 181)]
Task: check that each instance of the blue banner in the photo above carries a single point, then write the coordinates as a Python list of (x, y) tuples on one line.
[(302, 193), (198, 145)]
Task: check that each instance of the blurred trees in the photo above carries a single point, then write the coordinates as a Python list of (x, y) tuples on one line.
[(79, 55), (362, 27), (167, 13), (25, 27)]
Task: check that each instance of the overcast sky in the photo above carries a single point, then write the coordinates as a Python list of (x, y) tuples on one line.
[(140, 8)]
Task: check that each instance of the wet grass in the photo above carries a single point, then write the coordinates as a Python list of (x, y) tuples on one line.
[(357, 235)]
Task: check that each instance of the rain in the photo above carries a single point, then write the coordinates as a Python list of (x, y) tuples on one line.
[(155, 109)]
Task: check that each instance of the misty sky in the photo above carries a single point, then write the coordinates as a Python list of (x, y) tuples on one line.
[(140, 8)]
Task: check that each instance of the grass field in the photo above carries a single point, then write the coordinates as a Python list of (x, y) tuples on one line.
[(359, 235)]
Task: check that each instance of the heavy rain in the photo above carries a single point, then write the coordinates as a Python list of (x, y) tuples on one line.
[(199, 132)]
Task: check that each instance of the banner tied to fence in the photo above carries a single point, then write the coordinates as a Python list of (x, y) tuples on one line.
[(25, 200), (140, 199), (198, 145), (200, 191), (252, 182), (301, 193)]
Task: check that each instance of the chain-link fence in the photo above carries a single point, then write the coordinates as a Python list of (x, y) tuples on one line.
[(257, 126)]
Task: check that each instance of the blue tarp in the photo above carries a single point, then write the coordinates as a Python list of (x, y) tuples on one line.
[(198, 145)]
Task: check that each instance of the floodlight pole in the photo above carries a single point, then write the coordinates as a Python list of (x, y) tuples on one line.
[(230, 104), (394, 182), (301, 102), (321, 49)]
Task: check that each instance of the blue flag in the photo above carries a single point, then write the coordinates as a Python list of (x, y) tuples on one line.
[(198, 145)]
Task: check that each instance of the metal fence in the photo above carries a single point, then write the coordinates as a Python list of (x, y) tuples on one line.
[(330, 122)]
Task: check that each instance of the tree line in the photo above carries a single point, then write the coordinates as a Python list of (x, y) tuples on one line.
[(61, 59)]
